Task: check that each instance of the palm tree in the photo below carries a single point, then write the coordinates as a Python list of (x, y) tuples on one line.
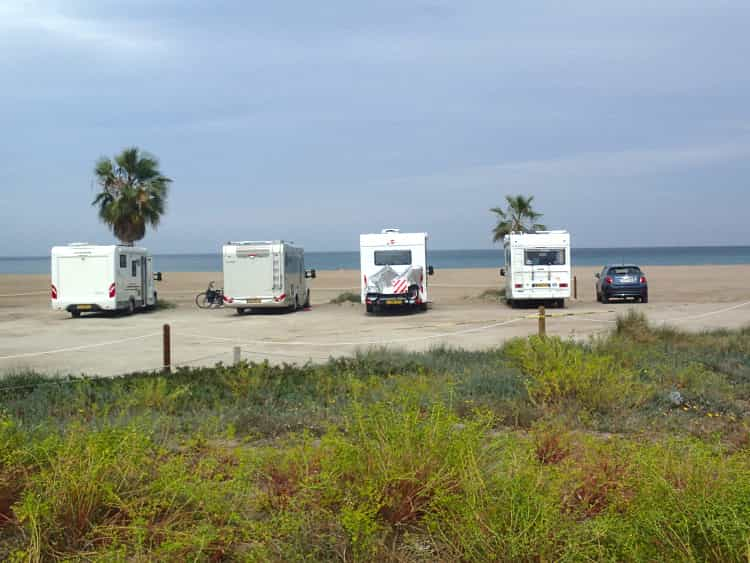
[(518, 217), (133, 193)]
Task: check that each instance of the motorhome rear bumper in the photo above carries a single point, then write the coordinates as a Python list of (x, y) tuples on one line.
[(84, 308), (256, 303), (381, 300)]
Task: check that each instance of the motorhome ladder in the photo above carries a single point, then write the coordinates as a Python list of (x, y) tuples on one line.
[(276, 270)]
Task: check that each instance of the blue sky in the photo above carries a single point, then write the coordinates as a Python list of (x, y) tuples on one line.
[(315, 121)]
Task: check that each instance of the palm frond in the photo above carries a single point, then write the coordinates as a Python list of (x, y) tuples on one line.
[(518, 216), (134, 193)]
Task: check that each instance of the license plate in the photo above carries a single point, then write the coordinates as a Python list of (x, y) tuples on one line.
[(540, 285), (252, 300), (83, 307), (393, 302)]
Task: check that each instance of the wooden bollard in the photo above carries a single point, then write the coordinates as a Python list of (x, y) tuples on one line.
[(236, 355), (542, 322), (167, 349), (575, 287)]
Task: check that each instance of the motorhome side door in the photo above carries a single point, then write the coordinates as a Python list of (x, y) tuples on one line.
[(145, 269)]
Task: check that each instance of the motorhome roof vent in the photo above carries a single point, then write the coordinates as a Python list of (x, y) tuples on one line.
[(79, 244), (385, 231)]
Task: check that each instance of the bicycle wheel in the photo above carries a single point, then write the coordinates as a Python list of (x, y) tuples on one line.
[(201, 301)]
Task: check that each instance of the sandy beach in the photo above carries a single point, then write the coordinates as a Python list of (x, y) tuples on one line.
[(34, 336)]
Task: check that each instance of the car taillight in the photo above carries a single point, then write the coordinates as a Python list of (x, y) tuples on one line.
[(643, 279), (608, 279), (112, 290), (227, 299), (53, 291)]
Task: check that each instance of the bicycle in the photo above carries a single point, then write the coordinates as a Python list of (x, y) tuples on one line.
[(211, 298)]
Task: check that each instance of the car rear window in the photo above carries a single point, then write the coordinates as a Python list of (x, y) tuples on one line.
[(624, 271), (392, 257)]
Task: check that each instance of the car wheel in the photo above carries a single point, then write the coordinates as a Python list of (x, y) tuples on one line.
[(605, 299), (644, 298)]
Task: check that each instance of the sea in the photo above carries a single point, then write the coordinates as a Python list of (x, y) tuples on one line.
[(446, 259)]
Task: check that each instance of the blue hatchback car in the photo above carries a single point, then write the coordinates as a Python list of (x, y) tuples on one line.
[(621, 282)]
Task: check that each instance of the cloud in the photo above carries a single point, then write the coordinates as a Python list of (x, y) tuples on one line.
[(590, 165), (29, 17)]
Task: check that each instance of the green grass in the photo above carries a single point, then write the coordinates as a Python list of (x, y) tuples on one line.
[(541, 450), (347, 297)]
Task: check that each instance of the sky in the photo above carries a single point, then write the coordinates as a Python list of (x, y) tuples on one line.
[(629, 122)]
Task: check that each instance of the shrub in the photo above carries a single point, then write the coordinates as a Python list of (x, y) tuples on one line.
[(557, 371), (347, 297)]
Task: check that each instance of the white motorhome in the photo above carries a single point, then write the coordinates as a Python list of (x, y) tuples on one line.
[(265, 274), (87, 277), (537, 267), (394, 270)]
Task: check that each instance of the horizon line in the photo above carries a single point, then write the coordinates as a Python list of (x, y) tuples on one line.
[(709, 246)]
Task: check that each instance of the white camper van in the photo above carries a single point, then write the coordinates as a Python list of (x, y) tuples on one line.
[(537, 267), (265, 274), (394, 270), (88, 277)]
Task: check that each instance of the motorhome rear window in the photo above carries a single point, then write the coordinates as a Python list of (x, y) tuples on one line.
[(392, 257), (252, 253), (123, 261), (551, 257)]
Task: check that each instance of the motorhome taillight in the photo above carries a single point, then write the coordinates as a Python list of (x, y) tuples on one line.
[(227, 299), (518, 285), (365, 281), (53, 291), (280, 298), (563, 285), (112, 290), (643, 279), (608, 279)]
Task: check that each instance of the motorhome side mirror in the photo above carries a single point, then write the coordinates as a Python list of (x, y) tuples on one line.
[(157, 276), (311, 274), (430, 271), (502, 271)]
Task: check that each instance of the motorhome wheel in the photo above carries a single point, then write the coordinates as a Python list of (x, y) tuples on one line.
[(307, 300), (75, 313), (131, 307)]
